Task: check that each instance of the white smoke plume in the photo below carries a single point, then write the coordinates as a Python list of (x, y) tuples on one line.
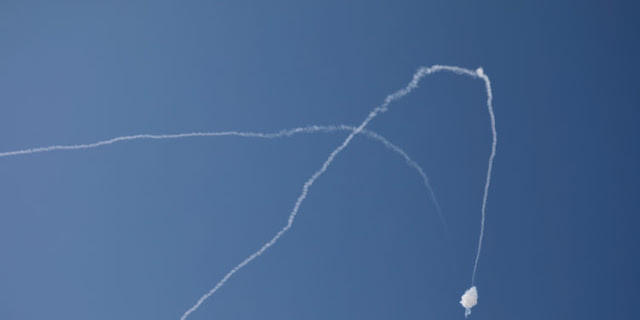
[(469, 300)]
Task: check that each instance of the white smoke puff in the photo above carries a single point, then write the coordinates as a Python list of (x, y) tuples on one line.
[(469, 300), (480, 72)]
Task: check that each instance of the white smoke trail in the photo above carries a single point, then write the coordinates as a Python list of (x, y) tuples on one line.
[(402, 153), (469, 300), (246, 134), (423, 71), (414, 165), (285, 133), (494, 143), (470, 297)]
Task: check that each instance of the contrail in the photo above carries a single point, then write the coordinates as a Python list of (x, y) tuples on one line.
[(423, 71), (246, 134)]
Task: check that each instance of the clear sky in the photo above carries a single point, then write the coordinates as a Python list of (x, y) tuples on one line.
[(140, 230)]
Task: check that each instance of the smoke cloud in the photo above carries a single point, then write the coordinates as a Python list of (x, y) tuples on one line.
[(469, 300), (421, 73)]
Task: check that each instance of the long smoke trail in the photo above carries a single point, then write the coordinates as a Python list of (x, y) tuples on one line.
[(307, 185), (423, 71), (402, 153), (494, 143), (246, 134), (414, 165), (282, 133)]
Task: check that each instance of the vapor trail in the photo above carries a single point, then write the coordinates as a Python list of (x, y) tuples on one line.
[(423, 71)]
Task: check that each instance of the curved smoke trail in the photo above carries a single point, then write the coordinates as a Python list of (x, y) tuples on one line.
[(468, 300), (246, 134), (423, 71)]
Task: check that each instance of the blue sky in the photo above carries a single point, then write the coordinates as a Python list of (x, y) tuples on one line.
[(140, 230)]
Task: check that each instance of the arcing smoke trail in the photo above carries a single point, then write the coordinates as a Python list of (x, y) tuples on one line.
[(279, 134), (246, 134), (470, 298), (380, 109)]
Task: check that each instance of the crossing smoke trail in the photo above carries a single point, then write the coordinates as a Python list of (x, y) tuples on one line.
[(423, 71), (280, 134), (470, 298)]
